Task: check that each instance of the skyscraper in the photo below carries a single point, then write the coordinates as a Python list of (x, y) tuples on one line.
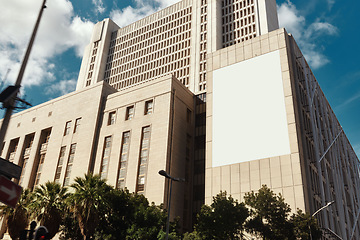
[(175, 40), (210, 91)]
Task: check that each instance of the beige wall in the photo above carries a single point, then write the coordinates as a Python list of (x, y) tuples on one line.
[(54, 114), (170, 98), (169, 125), (280, 173)]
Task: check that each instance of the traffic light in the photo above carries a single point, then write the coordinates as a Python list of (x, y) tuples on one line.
[(41, 233)]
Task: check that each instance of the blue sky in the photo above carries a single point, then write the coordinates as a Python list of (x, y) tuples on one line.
[(325, 30)]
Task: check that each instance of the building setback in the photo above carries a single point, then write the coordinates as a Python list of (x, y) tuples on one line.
[(210, 91)]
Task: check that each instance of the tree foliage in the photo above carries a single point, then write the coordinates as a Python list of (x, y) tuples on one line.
[(130, 216), (303, 223), (223, 219), (48, 205), (268, 215), (95, 210), (88, 202), (17, 219), (265, 215)]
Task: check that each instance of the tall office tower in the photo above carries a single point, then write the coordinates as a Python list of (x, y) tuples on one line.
[(174, 40)]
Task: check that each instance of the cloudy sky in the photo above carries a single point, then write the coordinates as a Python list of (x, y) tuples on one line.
[(326, 31)]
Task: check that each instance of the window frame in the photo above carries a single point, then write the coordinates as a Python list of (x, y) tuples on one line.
[(67, 128), (149, 110), (130, 112)]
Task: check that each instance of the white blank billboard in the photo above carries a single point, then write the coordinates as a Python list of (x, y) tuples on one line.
[(249, 116)]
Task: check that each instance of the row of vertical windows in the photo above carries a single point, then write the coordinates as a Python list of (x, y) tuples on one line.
[(326, 127), (67, 129), (130, 111), (44, 140), (39, 170), (152, 51), (142, 164), (123, 160), (69, 164), (143, 159), (241, 2), (203, 45), (92, 63), (238, 19), (105, 158), (45, 136), (60, 164)]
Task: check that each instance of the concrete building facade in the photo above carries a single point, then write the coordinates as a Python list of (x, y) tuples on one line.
[(210, 91), (275, 127), (174, 40)]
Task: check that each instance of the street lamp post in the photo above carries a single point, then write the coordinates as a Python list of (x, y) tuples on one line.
[(316, 212), (165, 174)]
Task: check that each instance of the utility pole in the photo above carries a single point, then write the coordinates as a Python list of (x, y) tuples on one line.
[(11, 104)]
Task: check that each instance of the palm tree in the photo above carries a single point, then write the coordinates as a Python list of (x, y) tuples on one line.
[(17, 219), (48, 205), (88, 201)]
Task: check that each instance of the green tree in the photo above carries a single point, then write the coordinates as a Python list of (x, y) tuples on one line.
[(17, 219), (48, 206), (192, 236), (223, 219), (118, 217), (148, 220), (88, 202), (268, 215), (303, 223), (69, 229)]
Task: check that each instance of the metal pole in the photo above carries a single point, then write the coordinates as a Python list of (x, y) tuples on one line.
[(11, 106), (313, 215), (168, 217), (166, 175)]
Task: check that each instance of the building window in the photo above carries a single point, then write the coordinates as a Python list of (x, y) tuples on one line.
[(60, 164), (105, 158), (149, 105), (112, 116), (123, 159), (143, 159), (77, 125), (69, 164), (29, 139), (23, 171), (38, 173), (129, 113), (67, 128)]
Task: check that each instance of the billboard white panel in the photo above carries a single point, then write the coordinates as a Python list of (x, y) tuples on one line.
[(249, 115)]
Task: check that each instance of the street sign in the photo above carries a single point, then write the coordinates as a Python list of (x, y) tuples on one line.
[(9, 192), (9, 169)]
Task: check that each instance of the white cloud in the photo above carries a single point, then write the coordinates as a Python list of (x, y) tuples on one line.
[(59, 30), (124, 17), (99, 6), (62, 87), (130, 14), (320, 28), (330, 3), (306, 36), (290, 19)]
